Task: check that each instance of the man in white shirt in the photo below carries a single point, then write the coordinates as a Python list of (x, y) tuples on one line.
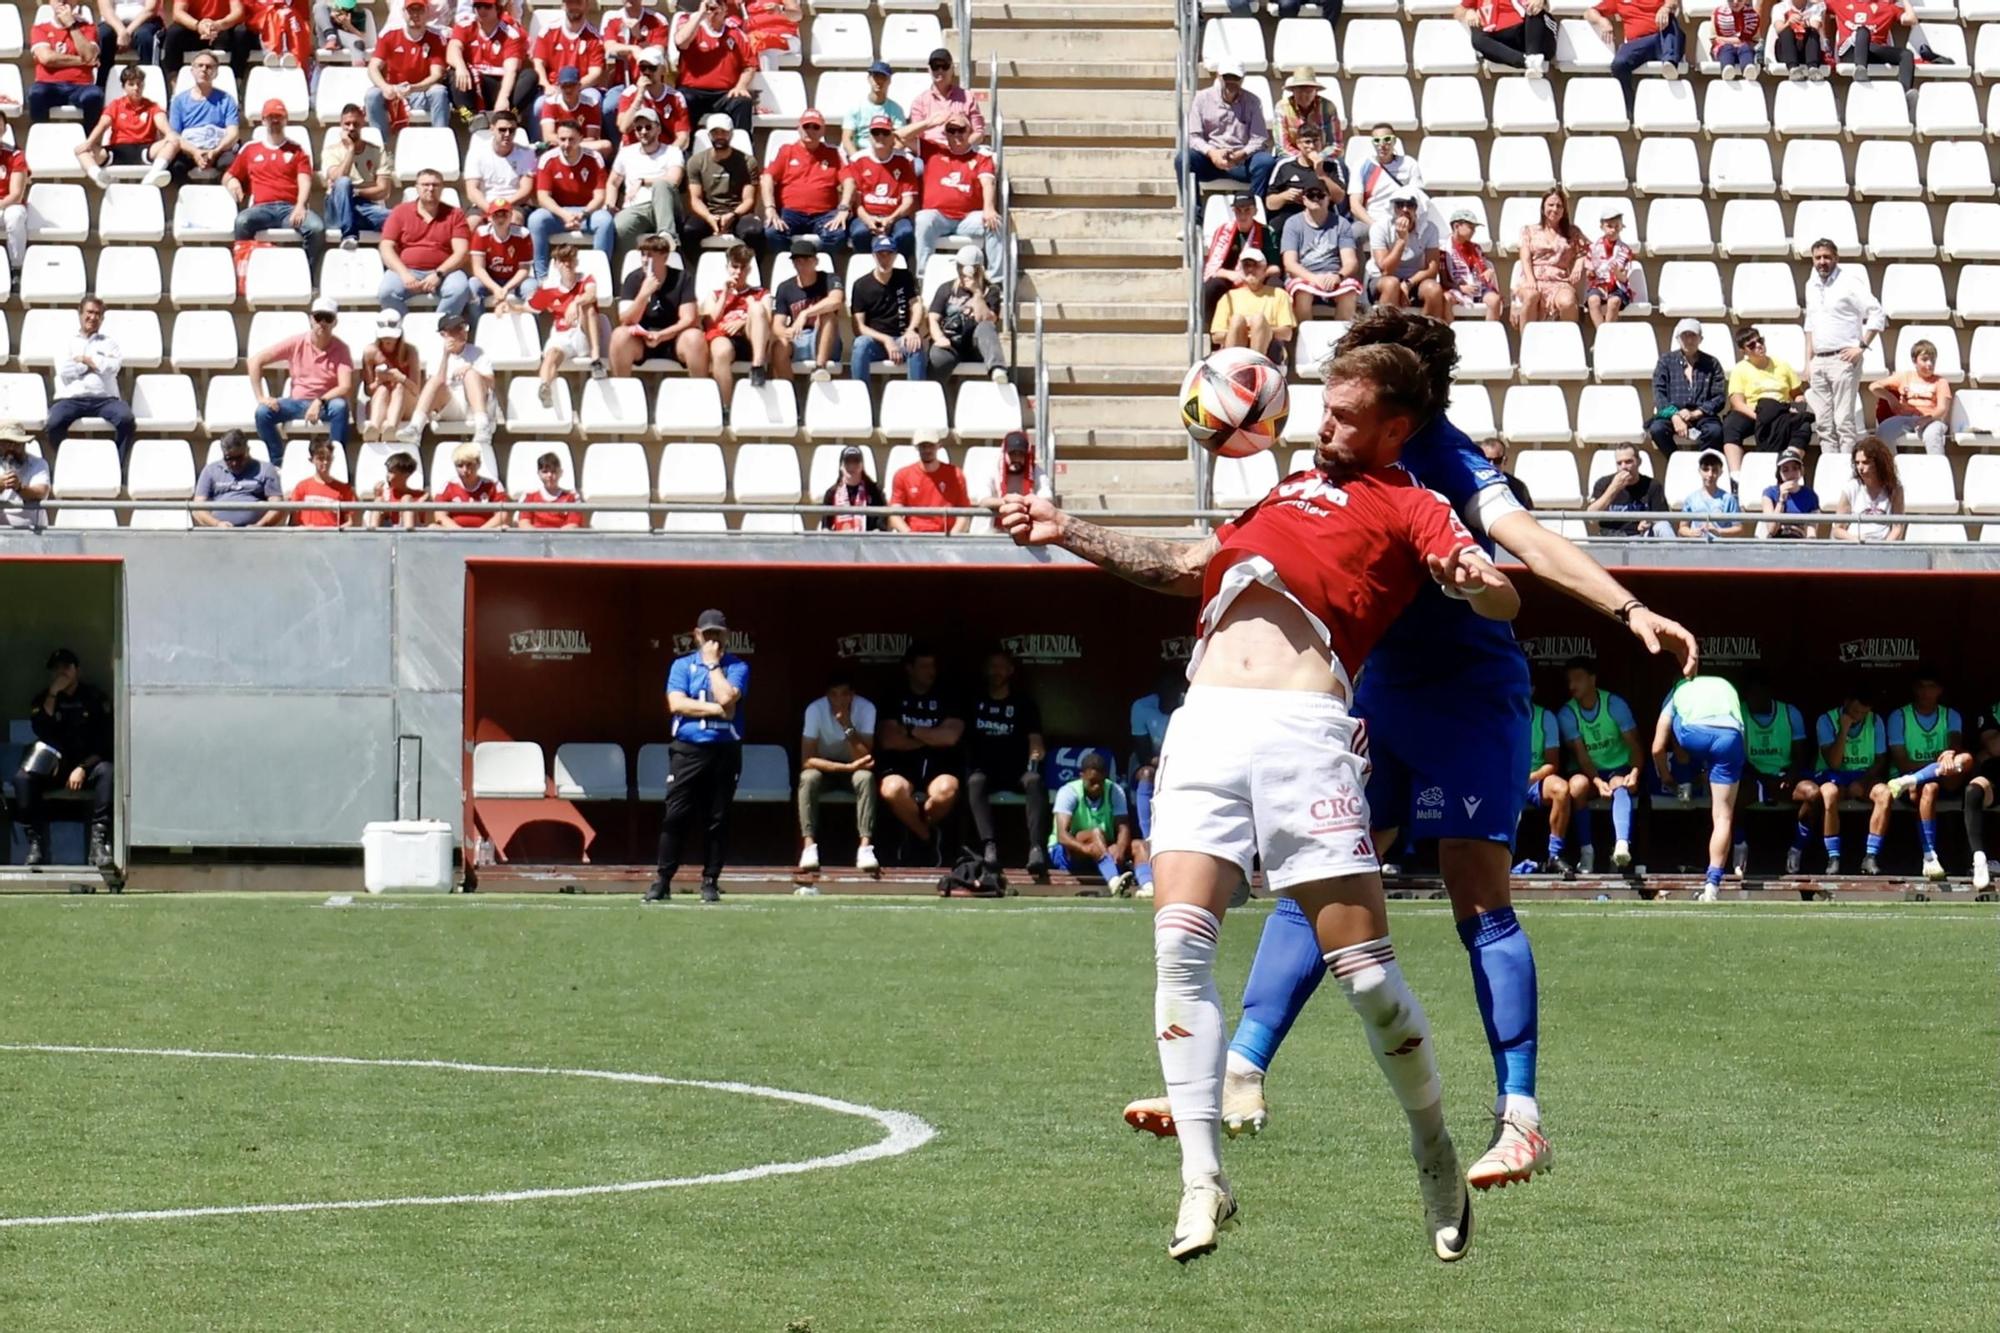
[(1842, 318), (645, 184), (838, 743), (24, 481), (499, 166), (87, 382)]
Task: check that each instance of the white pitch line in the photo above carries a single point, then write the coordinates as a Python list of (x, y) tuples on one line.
[(906, 1133)]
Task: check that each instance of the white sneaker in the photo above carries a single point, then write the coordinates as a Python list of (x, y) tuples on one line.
[(1124, 885), (864, 860), (1518, 1154), (95, 175), (1243, 1108), (1739, 860), (1207, 1208), (410, 432), (1586, 860), (1793, 857), (1933, 868), (809, 858), (1538, 67), (1709, 894), (350, 243), (998, 375), (1143, 894), (1621, 854), (1982, 878), (821, 375), (1447, 1202), (1391, 870), (1730, 74), (482, 431), (157, 177), (806, 891)]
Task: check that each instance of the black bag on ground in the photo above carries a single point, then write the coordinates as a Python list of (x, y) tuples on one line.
[(969, 877)]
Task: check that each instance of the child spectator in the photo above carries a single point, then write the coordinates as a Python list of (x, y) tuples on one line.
[(473, 488), (132, 132), (1789, 495), (1735, 46), (324, 490), (1473, 281), (1710, 498), (1802, 38), (1915, 402), (577, 329), (549, 468), (400, 467), (1608, 270)]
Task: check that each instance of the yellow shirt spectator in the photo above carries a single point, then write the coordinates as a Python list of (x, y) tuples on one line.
[(1273, 303), (1776, 380)]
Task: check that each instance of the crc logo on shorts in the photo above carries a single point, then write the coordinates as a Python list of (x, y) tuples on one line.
[(1177, 649), (1879, 652), (1730, 649), (872, 647), (1555, 649), (734, 641), (548, 645), (1342, 813), (1044, 649), (1430, 805)]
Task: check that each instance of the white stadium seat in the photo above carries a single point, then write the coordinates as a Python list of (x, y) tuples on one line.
[(614, 407), (781, 97), (1520, 164), (1610, 414), (203, 340), (1915, 291), (1238, 39), (525, 413), (1525, 106), (52, 149), (766, 474), (508, 770), (1535, 414), (1741, 166), (1471, 410), (204, 213), (1824, 219), (1800, 109), (1928, 487), (277, 275), (1813, 168), (1580, 50), (1450, 164), (1978, 293), (1236, 483), (1483, 353), (1550, 476), (52, 275), (771, 412), (839, 410), (840, 41), (1310, 42), (44, 333), (1441, 46), (1594, 106), (614, 471), (1667, 166), (1624, 350), (24, 399), (1373, 46), (1735, 108), (1666, 106), (285, 85), (160, 470), (336, 87), (1877, 109), (693, 472), (1380, 100), (1454, 104), (1958, 169), (1972, 231), (910, 406), (1982, 485), (202, 275), (1552, 350), (137, 333), (687, 407), (131, 213), (1679, 227), (1948, 111), (58, 213), (1886, 169), (353, 277), (128, 275), (1591, 163), (1691, 287), (427, 147), (1900, 230), (908, 39)]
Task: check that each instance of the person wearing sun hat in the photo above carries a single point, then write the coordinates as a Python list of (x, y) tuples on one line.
[(802, 187), (1304, 105)]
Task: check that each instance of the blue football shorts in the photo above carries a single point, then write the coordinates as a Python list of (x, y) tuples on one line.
[(1448, 756)]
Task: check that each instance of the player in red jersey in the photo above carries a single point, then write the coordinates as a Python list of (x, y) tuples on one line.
[(1264, 759)]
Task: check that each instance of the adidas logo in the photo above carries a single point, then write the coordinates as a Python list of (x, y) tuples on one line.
[(1408, 1046), (1175, 1032)]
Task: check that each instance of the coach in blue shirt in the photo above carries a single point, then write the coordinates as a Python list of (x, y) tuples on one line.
[(705, 759)]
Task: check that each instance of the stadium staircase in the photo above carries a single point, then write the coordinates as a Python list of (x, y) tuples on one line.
[(1088, 90)]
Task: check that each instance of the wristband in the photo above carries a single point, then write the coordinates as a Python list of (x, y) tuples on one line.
[(1623, 615)]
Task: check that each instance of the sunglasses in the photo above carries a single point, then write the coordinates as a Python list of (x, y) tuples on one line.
[(1315, 194), (322, 319), (936, 69), (1385, 138), (1754, 342)]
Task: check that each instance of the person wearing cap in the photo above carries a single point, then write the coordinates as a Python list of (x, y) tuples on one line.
[(570, 191), (1227, 136), (1514, 34), (722, 189), (24, 481), (1607, 268), (629, 31), (426, 251), (498, 166), (1382, 176), (1764, 408), (503, 261), (878, 189), (705, 690), (271, 179), (1222, 264), (960, 194), (1712, 495), (132, 132), (645, 184), (657, 309), (1015, 474), (573, 43), (76, 721), (391, 377), (1405, 262), (65, 50), (1652, 32), (964, 321), (736, 321), (570, 101), (855, 130), (888, 316), (319, 381), (717, 63), (487, 56), (204, 123), (807, 312), (1308, 168), (1303, 106), (460, 389), (406, 73), (932, 109), (802, 187), (650, 92), (360, 176), (1625, 489), (1789, 494), (836, 744), (1471, 282), (1916, 401), (324, 491), (853, 489), (1322, 263), (245, 481), (549, 470), (1256, 314), (86, 382), (1690, 391), (207, 25), (929, 483)]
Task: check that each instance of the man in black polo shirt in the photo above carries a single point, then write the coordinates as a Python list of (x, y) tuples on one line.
[(657, 309), (918, 752), (1007, 752), (73, 730), (888, 316)]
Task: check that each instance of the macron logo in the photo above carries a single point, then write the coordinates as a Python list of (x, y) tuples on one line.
[(1471, 804)]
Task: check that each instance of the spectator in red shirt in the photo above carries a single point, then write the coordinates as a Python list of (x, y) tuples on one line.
[(319, 382), (426, 251), (717, 64), (627, 32), (570, 100), (879, 191), (207, 25), (132, 132), (1863, 30), (488, 58), (574, 41), (325, 491), (928, 483), (802, 187), (1651, 32), (960, 195), (653, 92), (271, 180), (407, 70), (570, 188), (1520, 34), (471, 488), (65, 51), (549, 468), (736, 320), (503, 264), (576, 328), (14, 203), (400, 469)]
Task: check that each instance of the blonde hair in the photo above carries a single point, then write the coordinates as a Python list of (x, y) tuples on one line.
[(468, 452)]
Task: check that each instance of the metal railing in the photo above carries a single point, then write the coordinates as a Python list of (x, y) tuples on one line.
[(1045, 435), (961, 16), (1187, 82), (1010, 263)]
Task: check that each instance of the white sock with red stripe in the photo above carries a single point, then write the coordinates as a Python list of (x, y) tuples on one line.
[(1187, 1019), (1398, 1032)]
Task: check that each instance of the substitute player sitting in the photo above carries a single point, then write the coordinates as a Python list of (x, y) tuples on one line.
[(1982, 791), (1547, 788), (1701, 728), (1265, 760), (1927, 754), (1603, 743), (1854, 752), (1093, 828), (1779, 752)]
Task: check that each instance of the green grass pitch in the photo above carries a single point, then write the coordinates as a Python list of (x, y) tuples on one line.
[(1764, 1116)]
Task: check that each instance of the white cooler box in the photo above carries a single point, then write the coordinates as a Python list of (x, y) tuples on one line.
[(407, 856)]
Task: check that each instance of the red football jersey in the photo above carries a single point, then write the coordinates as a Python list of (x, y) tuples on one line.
[(13, 163), (1351, 554), (504, 258), (271, 175), (557, 300), (487, 492), (62, 42), (131, 124), (669, 106), (732, 311), (880, 186), (584, 49), (649, 29), (1878, 16), (712, 61), (406, 56), (487, 54), (951, 180), (805, 180), (570, 183), (546, 518)]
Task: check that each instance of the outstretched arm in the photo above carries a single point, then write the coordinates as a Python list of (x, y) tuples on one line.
[(1169, 567), (1556, 560)]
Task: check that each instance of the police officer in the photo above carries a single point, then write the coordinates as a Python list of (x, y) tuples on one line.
[(705, 759), (73, 725)]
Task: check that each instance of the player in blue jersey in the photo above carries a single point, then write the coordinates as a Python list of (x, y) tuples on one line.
[(1446, 698)]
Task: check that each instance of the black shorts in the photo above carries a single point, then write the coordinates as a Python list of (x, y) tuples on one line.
[(131, 155), (919, 767)]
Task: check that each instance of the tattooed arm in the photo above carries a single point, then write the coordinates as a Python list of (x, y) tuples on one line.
[(1165, 566)]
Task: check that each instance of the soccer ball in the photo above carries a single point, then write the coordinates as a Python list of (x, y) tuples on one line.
[(1234, 402)]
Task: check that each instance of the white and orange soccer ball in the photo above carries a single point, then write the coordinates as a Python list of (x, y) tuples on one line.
[(1234, 402)]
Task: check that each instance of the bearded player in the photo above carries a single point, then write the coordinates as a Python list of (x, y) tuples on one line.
[(1264, 759), (1446, 697)]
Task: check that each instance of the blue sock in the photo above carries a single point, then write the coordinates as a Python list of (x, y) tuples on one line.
[(1143, 798), (1144, 873), (1621, 814), (1801, 835), (1283, 976), (1832, 845), (1928, 773), (1715, 876), (1874, 843), (1555, 846), (1503, 980), (1107, 866), (1927, 830)]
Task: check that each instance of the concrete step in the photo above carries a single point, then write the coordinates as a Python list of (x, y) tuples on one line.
[(1114, 376), (1090, 253), (1100, 76), (989, 14), (1137, 350), (1146, 104), (1078, 39), (1055, 132), (1123, 483), (1111, 442), (1105, 164), (1108, 225), (1145, 418), (1107, 285)]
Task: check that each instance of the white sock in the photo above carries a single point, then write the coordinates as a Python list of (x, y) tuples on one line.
[(1240, 1066), (1519, 1107), (1187, 1019), (1397, 1030)]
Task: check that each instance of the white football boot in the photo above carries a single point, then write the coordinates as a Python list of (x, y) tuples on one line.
[(1243, 1109), (1207, 1208), (1447, 1202), (1518, 1154)]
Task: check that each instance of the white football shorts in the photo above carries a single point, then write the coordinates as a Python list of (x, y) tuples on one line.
[(1277, 774)]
